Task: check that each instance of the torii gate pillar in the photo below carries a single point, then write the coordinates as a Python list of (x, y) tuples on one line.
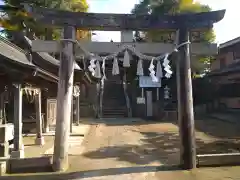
[(64, 102), (185, 104)]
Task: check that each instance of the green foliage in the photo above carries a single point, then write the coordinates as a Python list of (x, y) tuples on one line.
[(175, 7), (15, 20)]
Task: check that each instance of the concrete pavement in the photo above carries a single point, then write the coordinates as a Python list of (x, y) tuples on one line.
[(131, 149)]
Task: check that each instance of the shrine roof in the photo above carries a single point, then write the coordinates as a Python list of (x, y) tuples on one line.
[(15, 55), (229, 43), (13, 52)]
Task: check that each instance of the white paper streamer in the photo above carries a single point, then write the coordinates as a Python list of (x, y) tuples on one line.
[(140, 68), (154, 78), (165, 60), (92, 66), (115, 67), (97, 70), (152, 72), (104, 69), (167, 67), (126, 59)]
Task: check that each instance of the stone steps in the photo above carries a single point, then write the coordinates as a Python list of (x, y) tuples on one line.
[(114, 104)]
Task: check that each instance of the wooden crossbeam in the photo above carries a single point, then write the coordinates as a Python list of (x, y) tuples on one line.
[(106, 48), (118, 22)]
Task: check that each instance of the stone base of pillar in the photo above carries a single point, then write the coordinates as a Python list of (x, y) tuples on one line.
[(60, 165), (39, 141), (46, 130), (3, 168), (4, 149), (18, 154)]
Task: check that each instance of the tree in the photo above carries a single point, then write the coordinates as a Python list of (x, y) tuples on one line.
[(14, 18), (161, 7), (81, 6)]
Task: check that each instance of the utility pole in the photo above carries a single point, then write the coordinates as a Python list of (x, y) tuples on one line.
[(186, 115), (64, 102)]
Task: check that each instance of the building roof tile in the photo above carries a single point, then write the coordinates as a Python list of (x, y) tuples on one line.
[(13, 52)]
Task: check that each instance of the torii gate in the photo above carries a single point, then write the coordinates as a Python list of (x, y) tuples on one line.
[(122, 22)]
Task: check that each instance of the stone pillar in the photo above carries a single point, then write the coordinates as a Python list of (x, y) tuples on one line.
[(72, 115), (64, 101), (126, 36), (38, 105), (18, 151), (2, 120), (4, 148), (77, 106)]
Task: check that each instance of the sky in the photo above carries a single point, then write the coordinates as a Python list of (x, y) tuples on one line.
[(226, 29)]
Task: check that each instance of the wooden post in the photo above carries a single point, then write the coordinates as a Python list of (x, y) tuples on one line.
[(101, 99), (77, 105), (64, 101), (178, 82), (98, 89), (18, 151), (126, 36), (125, 88), (157, 94), (72, 115), (179, 117), (186, 106), (2, 120), (38, 105)]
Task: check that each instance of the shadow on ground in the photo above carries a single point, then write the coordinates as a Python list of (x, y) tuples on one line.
[(164, 147), (159, 147), (218, 128)]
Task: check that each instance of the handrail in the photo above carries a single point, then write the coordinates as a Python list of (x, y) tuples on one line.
[(98, 88), (101, 98), (129, 109)]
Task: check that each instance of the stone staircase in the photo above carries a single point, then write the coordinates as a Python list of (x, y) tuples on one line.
[(114, 103)]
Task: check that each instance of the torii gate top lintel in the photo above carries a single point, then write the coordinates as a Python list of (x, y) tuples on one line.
[(118, 22)]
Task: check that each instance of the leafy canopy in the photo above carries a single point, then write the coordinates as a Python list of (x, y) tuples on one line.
[(12, 19), (161, 7)]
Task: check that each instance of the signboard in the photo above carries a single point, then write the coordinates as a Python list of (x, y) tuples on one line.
[(51, 113), (146, 81), (140, 100)]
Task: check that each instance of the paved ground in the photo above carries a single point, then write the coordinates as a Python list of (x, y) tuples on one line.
[(123, 149), (75, 141)]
